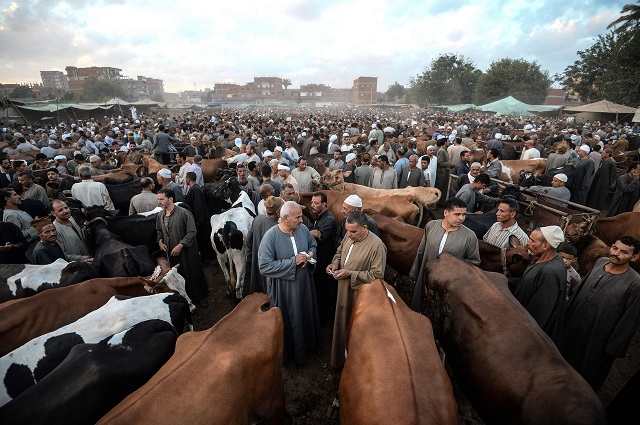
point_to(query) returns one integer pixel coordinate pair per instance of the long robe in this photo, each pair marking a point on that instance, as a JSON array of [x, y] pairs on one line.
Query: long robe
[[72, 239], [195, 200], [542, 290], [259, 227], [182, 229], [584, 173], [604, 178], [625, 196], [442, 180], [326, 286], [600, 321], [462, 243], [368, 259], [291, 288]]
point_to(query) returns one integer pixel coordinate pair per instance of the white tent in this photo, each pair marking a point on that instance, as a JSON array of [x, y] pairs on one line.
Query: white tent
[[636, 117], [117, 101]]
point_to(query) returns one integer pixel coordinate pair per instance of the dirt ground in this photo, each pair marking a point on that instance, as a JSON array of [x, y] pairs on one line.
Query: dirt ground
[[311, 389]]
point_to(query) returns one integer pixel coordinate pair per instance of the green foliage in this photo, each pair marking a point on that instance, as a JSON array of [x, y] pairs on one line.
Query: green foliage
[[607, 70], [629, 21], [395, 92], [286, 83], [100, 90], [22, 92], [450, 79], [513, 77], [68, 97]]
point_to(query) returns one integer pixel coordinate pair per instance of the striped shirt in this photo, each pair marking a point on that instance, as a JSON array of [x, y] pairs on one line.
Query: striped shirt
[[499, 237]]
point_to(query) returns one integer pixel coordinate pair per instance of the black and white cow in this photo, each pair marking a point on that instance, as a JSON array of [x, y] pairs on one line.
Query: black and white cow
[[228, 237], [25, 366], [25, 280], [94, 378]]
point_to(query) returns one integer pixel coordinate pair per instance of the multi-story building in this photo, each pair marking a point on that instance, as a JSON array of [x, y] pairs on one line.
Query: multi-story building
[[141, 87], [76, 76], [54, 83], [364, 90]]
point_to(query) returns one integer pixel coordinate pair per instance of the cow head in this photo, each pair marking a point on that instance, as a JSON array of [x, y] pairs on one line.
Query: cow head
[[218, 195], [334, 179], [574, 231], [77, 271]]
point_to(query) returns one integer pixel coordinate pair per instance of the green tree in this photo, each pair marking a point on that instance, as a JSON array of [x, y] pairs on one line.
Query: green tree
[[607, 70], [519, 78], [286, 83], [22, 92], [68, 97], [450, 79], [629, 21], [396, 92], [100, 90]]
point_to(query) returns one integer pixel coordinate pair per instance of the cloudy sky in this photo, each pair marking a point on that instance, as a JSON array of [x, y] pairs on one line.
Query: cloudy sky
[[199, 43]]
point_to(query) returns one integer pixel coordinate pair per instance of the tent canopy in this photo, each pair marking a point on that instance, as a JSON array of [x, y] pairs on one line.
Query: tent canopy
[[636, 117], [511, 105], [116, 101], [604, 107]]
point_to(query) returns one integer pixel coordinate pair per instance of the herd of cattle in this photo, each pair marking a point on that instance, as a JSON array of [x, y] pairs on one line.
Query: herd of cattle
[[105, 343]]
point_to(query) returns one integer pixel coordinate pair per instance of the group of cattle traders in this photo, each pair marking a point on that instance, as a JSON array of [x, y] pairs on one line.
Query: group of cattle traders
[[312, 268]]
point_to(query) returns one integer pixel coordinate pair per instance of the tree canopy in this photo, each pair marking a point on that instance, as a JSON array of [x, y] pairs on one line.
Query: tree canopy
[[395, 93], [519, 78], [22, 92], [450, 79], [99, 90]]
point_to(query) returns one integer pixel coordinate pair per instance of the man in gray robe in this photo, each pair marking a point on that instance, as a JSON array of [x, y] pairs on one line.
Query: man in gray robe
[[259, 227], [585, 168], [71, 238], [446, 235], [627, 191], [286, 257], [557, 190], [603, 316]]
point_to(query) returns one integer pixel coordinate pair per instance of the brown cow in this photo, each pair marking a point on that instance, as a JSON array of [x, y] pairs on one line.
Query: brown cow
[[115, 177], [535, 166], [509, 368], [513, 260], [23, 319], [610, 229], [405, 207], [228, 374], [152, 165], [210, 168], [393, 373]]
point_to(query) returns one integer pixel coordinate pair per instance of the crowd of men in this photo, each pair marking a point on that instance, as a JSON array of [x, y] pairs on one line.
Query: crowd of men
[[312, 268]]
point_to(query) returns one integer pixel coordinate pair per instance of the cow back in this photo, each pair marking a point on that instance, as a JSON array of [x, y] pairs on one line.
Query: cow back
[[235, 369], [392, 374], [510, 370]]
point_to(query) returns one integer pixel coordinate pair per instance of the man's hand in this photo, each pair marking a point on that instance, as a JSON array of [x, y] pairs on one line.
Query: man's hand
[[176, 250], [315, 233], [342, 274], [301, 259], [331, 268], [89, 260], [162, 246]]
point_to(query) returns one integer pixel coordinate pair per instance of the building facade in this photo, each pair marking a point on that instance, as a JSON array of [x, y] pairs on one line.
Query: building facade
[[76, 76], [364, 90], [54, 83]]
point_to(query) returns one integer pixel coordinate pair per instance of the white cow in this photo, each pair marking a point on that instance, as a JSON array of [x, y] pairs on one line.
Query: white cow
[[228, 237]]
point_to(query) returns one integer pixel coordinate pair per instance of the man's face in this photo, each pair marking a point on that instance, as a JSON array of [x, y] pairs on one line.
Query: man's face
[[48, 234], [381, 164], [294, 220], [504, 213], [413, 161], [567, 259], [455, 217], [430, 152], [605, 155], [347, 209], [556, 183], [287, 194], [536, 243], [474, 171], [61, 211], [466, 157], [22, 167], [620, 254], [317, 206], [302, 164], [25, 181], [13, 197], [52, 176], [163, 201], [336, 155], [424, 164], [6, 164], [242, 173], [355, 232]]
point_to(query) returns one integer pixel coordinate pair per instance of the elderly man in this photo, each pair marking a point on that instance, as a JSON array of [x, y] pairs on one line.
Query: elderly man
[[287, 192], [323, 229], [181, 160], [529, 151], [445, 235], [474, 171], [353, 203], [542, 289], [383, 177], [557, 159], [71, 237], [506, 226], [165, 181], [259, 227], [285, 175], [349, 168], [557, 190], [602, 318], [91, 193], [305, 175], [193, 149], [146, 200], [286, 258], [96, 163], [32, 190], [360, 259], [411, 175], [585, 168], [471, 193]]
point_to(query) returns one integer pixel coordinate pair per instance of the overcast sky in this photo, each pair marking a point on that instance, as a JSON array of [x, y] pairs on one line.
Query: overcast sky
[[199, 43]]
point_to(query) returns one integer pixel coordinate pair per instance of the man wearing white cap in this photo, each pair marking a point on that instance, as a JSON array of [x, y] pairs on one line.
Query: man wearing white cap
[[277, 154], [164, 179], [351, 204], [61, 164], [542, 289], [267, 156], [96, 163], [585, 168], [495, 142], [332, 145], [557, 189], [349, 168], [433, 164], [285, 174]]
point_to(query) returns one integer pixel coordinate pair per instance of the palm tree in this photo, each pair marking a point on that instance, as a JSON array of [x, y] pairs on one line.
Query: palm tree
[[630, 19]]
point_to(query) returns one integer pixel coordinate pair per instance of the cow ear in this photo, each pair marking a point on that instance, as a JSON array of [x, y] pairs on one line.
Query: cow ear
[[514, 241], [517, 258]]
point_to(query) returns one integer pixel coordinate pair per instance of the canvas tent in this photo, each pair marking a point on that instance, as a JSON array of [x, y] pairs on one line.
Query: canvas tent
[[117, 101], [511, 105], [603, 108], [636, 117]]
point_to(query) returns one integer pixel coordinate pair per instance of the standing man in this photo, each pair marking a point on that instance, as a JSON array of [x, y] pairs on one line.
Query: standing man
[[6, 173], [462, 167], [424, 167], [349, 168], [164, 180], [305, 176], [176, 236], [70, 236], [283, 258], [146, 200], [336, 163], [47, 250], [500, 232], [542, 290], [627, 191], [471, 193], [603, 316], [446, 235], [32, 190], [353, 203], [603, 180], [585, 168], [91, 193], [259, 227], [411, 175], [383, 177], [444, 166], [197, 203], [363, 172], [433, 165], [494, 166], [324, 229], [361, 258], [287, 178]]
